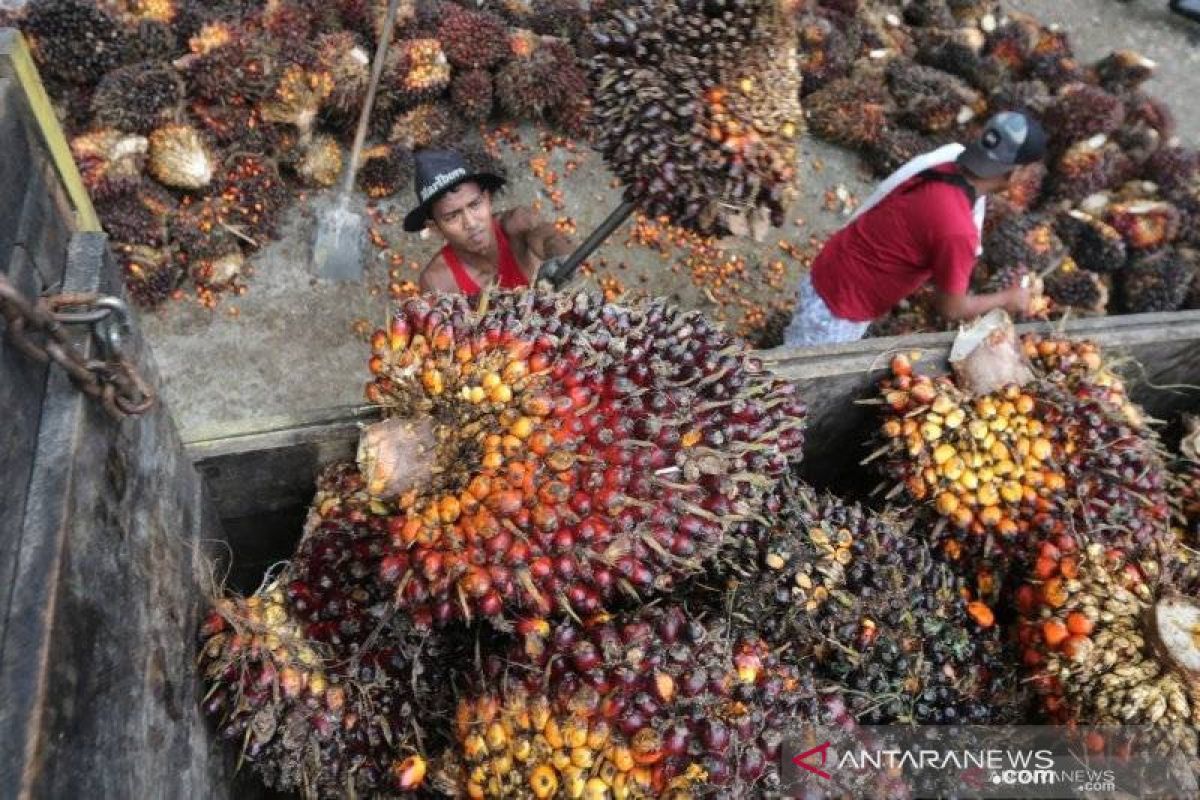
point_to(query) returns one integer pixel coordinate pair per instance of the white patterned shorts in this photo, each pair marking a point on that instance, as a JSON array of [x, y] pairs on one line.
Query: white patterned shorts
[[814, 324]]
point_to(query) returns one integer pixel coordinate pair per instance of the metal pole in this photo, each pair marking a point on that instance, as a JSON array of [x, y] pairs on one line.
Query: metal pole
[[614, 221]]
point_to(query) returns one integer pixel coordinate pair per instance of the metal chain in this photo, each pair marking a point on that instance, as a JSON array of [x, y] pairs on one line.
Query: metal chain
[[114, 380]]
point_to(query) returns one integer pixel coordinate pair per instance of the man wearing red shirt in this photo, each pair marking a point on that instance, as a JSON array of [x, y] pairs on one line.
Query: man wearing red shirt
[[922, 225]]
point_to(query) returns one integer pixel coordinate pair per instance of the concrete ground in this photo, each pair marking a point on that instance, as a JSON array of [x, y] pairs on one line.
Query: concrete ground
[[294, 345]]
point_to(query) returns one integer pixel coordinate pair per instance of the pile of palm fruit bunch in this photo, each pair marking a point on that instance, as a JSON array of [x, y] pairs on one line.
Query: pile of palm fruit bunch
[[1108, 222], [697, 106], [194, 123], [1056, 504]]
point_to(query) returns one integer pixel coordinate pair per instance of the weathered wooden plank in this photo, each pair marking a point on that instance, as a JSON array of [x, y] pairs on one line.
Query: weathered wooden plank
[[22, 386], [16, 62], [15, 165], [97, 677]]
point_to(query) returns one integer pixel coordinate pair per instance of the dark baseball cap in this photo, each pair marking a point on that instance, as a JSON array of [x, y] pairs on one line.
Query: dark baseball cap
[[1009, 140], [437, 172]]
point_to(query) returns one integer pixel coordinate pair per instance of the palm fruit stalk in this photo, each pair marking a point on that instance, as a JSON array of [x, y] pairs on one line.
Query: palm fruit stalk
[[891, 629], [297, 98], [306, 718], [179, 157], [581, 452], [660, 703], [110, 162], [697, 110], [1109, 641]]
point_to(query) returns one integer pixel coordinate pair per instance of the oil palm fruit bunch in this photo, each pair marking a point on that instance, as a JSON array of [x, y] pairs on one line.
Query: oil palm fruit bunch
[[826, 50], [426, 125], [472, 39], [850, 112], [896, 146], [697, 109], [1081, 111], [1144, 224], [1110, 642], [1174, 169], [564, 19], [1089, 166], [580, 451], [251, 195], [1079, 366], [202, 243], [472, 95], [1186, 473], [73, 40], [1077, 289], [660, 703], [242, 70], [344, 57], [297, 97], [1123, 70], [417, 70], [151, 273], [1093, 243], [180, 157], [959, 51], [1024, 241], [1156, 282], [1028, 97], [385, 170], [138, 216], [136, 98], [307, 720], [1149, 126], [110, 162], [321, 162], [930, 100]]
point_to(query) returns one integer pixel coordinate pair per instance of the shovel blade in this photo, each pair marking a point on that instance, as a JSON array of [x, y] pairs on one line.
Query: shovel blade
[[340, 244]]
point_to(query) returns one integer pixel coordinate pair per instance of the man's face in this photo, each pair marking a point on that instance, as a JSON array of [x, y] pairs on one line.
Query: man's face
[[464, 216]]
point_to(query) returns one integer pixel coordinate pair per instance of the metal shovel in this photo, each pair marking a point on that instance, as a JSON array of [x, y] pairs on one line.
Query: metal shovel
[[341, 236]]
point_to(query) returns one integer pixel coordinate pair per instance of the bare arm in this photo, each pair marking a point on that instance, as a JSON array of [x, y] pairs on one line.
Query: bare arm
[[966, 306], [543, 239]]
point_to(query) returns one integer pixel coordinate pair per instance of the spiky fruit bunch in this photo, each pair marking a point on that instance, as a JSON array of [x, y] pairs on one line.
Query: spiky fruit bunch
[[151, 274], [564, 19], [524, 88], [1012, 43], [472, 39], [110, 162], [385, 170], [138, 216], [1156, 282], [850, 112], [1094, 244], [151, 40], [135, 98], [426, 125], [203, 243], [349, 64], [657, 704], [1000, 278], [1175, 169], [1144, 224], [1149, 126], [1024, 241], [1081, 111], [241, 71], [471, 94], [1097, 634], [895, 147], [304, 716], [1079, 289], [931, 100], [230, 124], [418, 70], [321, 164], [1025, 186], [180, 157], [697, 110], [73, 40], [1123, 70], [583, 451], [1089, 167], [1027, 97], [826, 51], [297, 97], [251, 195]]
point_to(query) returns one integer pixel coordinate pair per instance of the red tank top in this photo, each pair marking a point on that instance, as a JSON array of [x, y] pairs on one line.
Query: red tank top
[[508, 271]]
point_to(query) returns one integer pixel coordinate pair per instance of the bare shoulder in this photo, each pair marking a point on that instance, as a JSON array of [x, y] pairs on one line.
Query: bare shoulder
[[436, 276]]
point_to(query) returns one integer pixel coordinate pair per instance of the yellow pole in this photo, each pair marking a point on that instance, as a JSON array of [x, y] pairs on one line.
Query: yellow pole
[[16, 50]]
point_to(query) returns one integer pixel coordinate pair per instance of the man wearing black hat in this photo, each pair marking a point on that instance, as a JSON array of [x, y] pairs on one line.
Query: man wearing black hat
[[481, 249], [924, 223]]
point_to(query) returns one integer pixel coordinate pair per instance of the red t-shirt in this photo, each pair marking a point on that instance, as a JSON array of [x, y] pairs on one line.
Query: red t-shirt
[[919, 232]]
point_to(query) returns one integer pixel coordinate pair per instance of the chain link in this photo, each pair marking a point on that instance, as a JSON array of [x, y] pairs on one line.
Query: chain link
[[114, 381]]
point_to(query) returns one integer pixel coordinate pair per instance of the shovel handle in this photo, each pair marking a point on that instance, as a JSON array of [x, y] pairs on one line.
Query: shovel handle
[[364, 116], [597, 237]]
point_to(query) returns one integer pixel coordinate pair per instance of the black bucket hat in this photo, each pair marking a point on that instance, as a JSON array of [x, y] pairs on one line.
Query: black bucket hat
[[437, 172], [1009, 140]]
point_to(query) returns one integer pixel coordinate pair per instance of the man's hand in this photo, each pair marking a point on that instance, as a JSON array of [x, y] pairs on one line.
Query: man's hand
[[553, 273], [1017, 300]]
